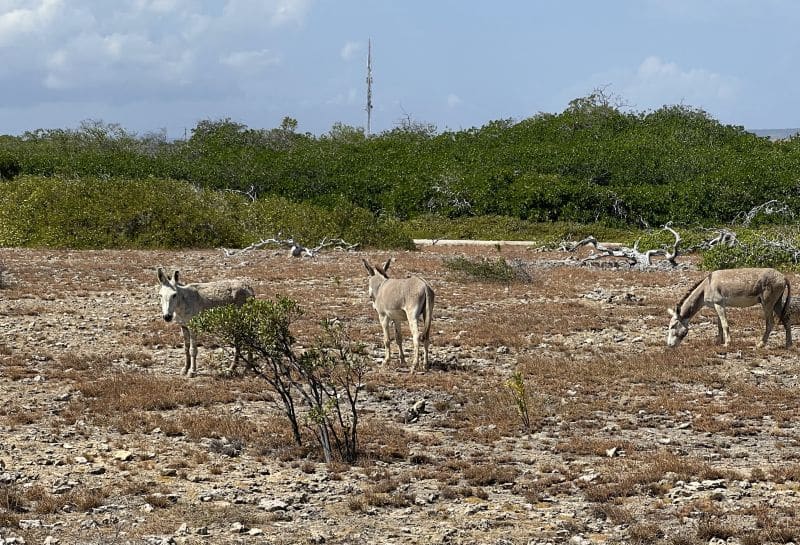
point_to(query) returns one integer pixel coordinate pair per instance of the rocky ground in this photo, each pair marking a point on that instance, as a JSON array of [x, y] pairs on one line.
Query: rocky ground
[[102, 440]]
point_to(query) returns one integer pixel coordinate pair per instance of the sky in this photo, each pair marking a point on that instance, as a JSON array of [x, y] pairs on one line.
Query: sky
[[164, 65]]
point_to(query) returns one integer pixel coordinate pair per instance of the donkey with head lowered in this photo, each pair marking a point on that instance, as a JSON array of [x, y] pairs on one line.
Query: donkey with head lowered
[[181, 302], [398, 299], [734, 288]]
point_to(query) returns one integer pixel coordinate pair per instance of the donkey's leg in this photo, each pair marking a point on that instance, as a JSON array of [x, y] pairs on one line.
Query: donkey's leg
[[193, 369], [187, 345], [398, 337], [769, 317], [387, 349], [426, 343], [785, 320], [413, 324], [723, 324]]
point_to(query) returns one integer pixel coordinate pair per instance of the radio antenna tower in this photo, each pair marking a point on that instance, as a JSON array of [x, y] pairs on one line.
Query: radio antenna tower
[[369, 85]]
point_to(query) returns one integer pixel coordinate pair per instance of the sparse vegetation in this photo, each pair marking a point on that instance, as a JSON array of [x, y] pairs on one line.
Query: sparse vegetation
[[629, 442], [326, 379], [488, 270]]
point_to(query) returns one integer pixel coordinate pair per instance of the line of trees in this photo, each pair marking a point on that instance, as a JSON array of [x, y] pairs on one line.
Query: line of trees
[[592, 162]]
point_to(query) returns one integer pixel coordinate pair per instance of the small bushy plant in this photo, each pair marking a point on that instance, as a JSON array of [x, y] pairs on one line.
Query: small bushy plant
[[325, 379], [10, 166], [756, 248], [487, 270]]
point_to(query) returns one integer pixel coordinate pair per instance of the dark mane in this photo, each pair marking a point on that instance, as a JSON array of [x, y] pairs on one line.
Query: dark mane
[[688, 293]]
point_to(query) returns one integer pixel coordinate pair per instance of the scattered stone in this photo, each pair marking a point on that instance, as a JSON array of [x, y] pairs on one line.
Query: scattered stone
[[122, 455], [238, 528], [272, 505]]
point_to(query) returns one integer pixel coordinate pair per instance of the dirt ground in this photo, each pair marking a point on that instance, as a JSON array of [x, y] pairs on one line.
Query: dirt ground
[[103, 441]]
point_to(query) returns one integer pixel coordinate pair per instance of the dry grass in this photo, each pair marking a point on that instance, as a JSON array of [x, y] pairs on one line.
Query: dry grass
[[598, 377]]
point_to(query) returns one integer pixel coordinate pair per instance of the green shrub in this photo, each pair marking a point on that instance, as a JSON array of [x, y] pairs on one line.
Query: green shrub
[[325, 379], [10, 166], [487, 270], [117, 213], [768, 247], [160, 213], [309, 224]]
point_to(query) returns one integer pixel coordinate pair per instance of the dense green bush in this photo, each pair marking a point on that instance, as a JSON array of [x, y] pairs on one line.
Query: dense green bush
[[158, 213], [778, 248], [96, 213], [590, 163], [9, 166], [309, 224]]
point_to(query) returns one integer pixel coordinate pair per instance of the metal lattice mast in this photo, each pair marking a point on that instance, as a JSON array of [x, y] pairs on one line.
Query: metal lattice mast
[[369, 85]]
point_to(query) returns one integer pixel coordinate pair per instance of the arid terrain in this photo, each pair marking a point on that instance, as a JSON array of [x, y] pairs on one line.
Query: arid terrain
[[103, 441]]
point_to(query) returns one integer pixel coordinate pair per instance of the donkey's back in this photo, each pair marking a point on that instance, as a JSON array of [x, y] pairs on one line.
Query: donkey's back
[[181, 302], [201, 296], [402, 299], [402, 294]]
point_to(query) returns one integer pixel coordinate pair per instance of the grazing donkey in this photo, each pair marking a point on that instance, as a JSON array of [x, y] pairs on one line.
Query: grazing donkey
[[734, 288], [397, 299], [181, 302]]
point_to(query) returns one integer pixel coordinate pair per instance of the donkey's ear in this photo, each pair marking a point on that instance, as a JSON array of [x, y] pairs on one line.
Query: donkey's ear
[[386, 265], [175, 277], [162, 277], [370, 270]]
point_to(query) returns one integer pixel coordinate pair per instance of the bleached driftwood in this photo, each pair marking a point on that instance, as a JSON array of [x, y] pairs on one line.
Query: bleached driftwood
[[295, 249], [770, 208], [633, 256], [725, 237]]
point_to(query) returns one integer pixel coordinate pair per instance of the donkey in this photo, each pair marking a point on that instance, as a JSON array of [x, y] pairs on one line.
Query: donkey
[[181, 302], [397, 299], [734, 288]]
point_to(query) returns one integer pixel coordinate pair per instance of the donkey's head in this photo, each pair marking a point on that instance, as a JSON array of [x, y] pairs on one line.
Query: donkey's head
[[377, 276], [678, 327], [168, 291]]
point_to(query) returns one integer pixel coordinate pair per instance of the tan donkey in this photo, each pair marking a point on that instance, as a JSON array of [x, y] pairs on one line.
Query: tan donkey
[[398, 299], [182, 302], [734, 288]]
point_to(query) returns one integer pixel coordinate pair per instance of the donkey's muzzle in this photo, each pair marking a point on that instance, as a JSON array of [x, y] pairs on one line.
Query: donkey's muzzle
[[167, 317]]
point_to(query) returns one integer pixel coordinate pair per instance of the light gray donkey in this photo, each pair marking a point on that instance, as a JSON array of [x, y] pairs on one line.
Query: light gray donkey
[[734, 288], [397, 299], [181, 302]]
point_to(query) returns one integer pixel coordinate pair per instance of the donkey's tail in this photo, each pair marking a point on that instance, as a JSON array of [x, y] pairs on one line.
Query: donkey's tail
[[428, 312]]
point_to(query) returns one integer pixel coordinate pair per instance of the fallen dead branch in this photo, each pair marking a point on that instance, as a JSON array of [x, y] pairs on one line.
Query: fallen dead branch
[[633, 256], [295, 249], [772, 207]]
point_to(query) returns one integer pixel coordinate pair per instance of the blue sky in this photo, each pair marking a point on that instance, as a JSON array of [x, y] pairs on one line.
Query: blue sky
[[153, 65]]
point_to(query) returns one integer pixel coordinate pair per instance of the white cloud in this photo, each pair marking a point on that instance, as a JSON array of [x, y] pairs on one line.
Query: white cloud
[[251, 61], [454, 101], [351, 49], [122, 51], [274, 12], [657, 82], [33, 18]]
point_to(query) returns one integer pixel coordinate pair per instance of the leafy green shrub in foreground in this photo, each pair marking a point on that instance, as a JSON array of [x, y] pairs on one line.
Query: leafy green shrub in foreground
[[325, 380]]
